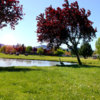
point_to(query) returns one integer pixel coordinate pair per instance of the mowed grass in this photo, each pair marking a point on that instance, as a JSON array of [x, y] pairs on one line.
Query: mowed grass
[[89, 61], [50, 83]]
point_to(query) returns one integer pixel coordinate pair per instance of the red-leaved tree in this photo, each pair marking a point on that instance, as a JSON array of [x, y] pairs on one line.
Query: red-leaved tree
[[10, 13], [67, 25]]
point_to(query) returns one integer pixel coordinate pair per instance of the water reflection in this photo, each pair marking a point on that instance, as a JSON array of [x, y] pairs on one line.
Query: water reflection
[[21, 62]]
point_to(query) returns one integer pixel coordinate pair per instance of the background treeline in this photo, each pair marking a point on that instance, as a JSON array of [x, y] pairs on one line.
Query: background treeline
[[85, 50], [29, 50]]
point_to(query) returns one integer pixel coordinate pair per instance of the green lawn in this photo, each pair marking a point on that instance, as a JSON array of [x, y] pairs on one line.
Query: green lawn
[[50, 83]]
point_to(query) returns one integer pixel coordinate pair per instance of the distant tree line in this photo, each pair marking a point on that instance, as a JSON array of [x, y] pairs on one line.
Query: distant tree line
[[85, 50], [29, 50]]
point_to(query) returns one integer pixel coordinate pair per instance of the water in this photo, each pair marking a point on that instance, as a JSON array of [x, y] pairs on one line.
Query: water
[[21, 62]]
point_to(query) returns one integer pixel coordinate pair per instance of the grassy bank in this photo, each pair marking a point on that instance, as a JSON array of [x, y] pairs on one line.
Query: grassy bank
[[89, 61], [50, 83]]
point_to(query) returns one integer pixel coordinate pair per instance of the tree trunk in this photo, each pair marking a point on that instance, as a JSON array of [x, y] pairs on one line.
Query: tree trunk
[[77, 55], [78, 58], [75, 50]]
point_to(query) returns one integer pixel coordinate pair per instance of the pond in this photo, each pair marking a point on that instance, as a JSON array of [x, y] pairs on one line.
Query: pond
[[21, 62]]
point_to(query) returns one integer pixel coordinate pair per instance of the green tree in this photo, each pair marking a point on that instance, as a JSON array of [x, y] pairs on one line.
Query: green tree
[[98, 47], [2, 49], [85, 50], [59, 52], [28, 49], [40, 51]]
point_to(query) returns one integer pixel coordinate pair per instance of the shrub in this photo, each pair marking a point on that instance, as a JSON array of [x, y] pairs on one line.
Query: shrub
[[28, 49], [98, 47], [40, 51], [59, 52], [85, 50], [2, 49]]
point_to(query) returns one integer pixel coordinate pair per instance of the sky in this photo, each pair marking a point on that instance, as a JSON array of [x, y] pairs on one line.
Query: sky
[[25, 31]]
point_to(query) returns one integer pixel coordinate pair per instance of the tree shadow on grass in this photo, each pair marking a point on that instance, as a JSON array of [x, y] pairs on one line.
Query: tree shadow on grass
[[17, 69], [78, 66]]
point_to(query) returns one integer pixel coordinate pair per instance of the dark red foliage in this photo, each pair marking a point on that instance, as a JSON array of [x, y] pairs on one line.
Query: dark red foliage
[[63, 24], [20, 48], [66, 25], [10, 13]]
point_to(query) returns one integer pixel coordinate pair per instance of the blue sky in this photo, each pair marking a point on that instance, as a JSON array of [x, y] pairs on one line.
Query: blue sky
[[25, 31]]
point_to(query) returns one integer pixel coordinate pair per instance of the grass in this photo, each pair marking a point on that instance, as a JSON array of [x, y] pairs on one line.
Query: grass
[[50, 83], [72, 82], [89, 61]]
